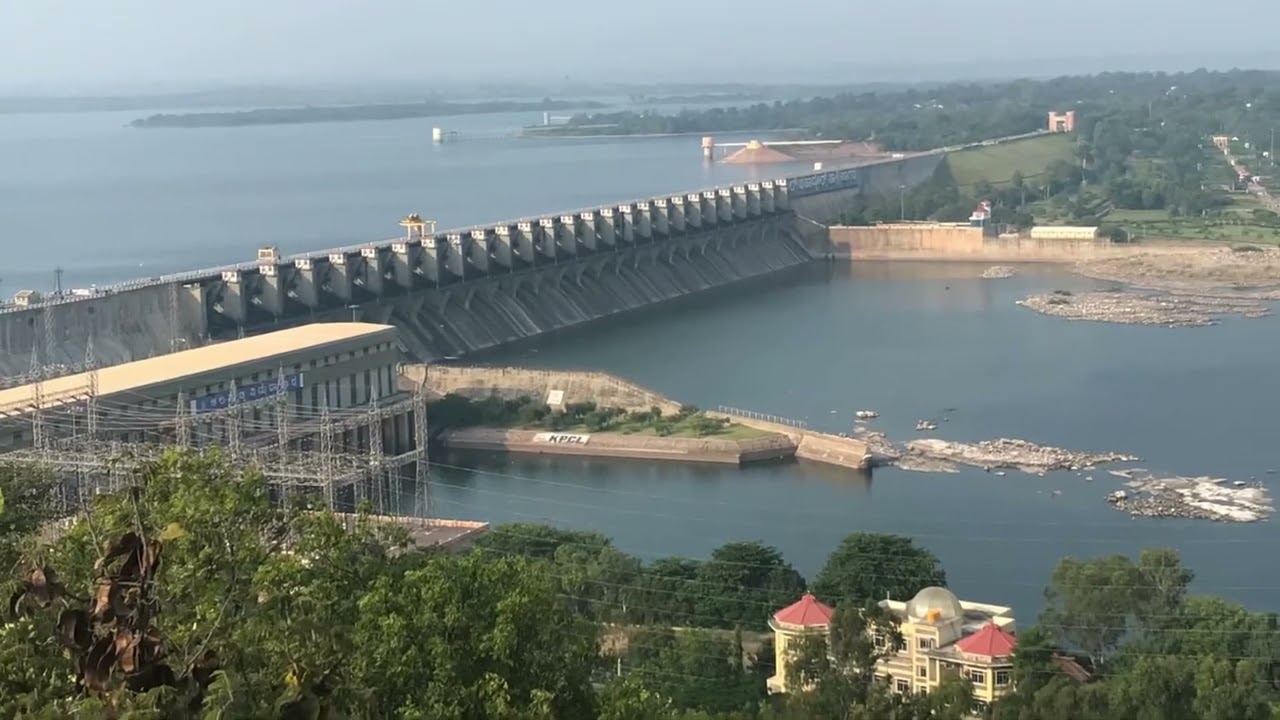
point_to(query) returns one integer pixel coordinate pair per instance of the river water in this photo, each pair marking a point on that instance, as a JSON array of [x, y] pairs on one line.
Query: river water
[[912, 340], [909, 340]]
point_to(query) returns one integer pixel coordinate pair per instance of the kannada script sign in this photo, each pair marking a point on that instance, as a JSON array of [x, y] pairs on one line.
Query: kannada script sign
[[823, 182], [248, 393], [561, 438]]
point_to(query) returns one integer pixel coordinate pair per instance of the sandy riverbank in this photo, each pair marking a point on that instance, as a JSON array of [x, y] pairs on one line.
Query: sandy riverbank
[[1176, 287]]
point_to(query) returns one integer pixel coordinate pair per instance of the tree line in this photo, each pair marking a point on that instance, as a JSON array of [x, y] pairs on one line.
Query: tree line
[[458, 411], [1141, 139], [190, 595]]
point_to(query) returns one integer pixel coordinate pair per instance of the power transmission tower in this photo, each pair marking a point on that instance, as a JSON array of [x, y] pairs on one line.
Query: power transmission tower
[[46, 316], [282, 430], [282, 412], [91, 404], [233, 420], [182, 426], [421, 486], [326, 450], [173, 317], [37, 402], [375, 453]]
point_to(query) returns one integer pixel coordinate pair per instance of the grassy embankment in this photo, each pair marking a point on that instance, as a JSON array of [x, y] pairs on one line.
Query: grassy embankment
[[456, 411], [997, 164]]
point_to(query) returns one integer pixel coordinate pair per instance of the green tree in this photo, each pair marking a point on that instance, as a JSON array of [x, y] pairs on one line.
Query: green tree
[[295, 614], [535, 540], [871, 566], [695, 669], [473, 637], [1092, 604], [30, 504], [629, 699], [743, 583]]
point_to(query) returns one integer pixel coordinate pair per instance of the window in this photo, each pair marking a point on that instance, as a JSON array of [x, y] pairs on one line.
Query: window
[[880, 640], [903, 686], [925, 643], [1004, 677], [977, 677], [923, 672]]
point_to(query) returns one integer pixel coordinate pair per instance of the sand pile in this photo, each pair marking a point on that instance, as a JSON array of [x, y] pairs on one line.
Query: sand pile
[[758, 154]]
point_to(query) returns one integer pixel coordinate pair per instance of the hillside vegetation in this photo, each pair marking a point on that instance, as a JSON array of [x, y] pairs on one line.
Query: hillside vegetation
[[1000, 164]]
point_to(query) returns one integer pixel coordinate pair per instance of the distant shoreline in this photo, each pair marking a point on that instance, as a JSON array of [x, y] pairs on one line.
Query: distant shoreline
[[350, 113], [525, 133]]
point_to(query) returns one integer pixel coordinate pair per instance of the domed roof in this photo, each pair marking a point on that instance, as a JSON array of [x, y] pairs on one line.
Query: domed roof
[[933, 600]]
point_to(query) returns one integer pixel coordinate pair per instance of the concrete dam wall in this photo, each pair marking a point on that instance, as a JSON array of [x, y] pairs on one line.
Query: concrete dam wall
[[956, 241], [459, 291], [449, 322]]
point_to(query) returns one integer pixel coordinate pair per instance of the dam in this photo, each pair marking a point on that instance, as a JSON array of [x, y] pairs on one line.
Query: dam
[[460, 291]]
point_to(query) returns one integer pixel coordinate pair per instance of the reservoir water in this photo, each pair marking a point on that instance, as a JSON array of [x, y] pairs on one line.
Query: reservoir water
[[909, 340], [109, 202]]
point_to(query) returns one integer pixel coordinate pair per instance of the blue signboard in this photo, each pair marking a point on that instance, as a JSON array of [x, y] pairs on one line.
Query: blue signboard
[[248, 393], [823, 182]]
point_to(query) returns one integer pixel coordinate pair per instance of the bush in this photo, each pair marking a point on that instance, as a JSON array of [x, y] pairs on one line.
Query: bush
[[598, 420]]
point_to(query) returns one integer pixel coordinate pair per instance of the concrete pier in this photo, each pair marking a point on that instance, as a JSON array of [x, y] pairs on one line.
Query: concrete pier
[[458, 291]]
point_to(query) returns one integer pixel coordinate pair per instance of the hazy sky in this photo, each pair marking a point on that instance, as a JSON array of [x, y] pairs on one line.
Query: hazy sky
[[55, 45]]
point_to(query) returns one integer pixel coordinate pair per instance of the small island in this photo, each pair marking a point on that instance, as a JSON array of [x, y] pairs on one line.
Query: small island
[[353, 113], [526, 425]]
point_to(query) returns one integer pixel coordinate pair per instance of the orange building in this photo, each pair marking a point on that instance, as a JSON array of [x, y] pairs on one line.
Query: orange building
[[1062, 122]]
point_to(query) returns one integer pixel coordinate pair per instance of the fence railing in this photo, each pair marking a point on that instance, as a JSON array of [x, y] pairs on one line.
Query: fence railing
[[765, 417]]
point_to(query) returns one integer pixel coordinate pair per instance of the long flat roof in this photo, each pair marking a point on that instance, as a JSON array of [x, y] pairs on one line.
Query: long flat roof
[[190, 363]]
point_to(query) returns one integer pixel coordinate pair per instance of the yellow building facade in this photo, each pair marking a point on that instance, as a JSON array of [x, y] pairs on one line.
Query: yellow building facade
[[941, 636], [790, 626]]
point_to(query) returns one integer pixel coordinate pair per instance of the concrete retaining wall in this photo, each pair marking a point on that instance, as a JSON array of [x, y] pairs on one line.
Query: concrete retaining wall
[[845, 452], [924, 241], [612, 391], [634, 447], [604, 389]]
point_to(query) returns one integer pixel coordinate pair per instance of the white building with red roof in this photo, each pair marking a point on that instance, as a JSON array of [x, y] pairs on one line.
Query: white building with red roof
[[807, 616], [943, 635]]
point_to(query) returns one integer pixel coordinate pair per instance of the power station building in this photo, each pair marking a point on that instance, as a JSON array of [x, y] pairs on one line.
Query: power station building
[[245, 386], [320, 406]]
